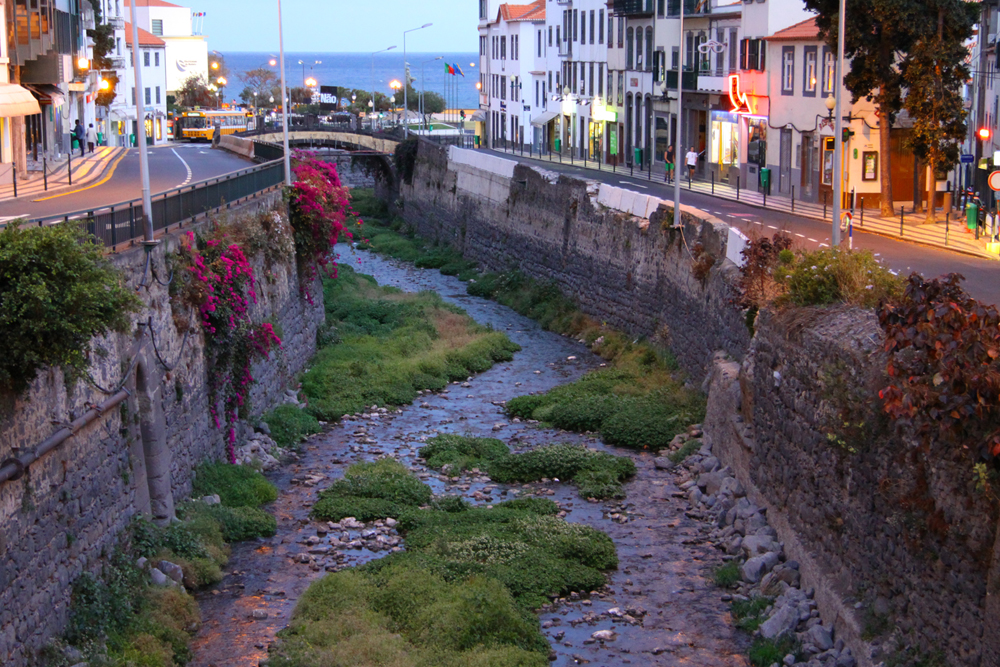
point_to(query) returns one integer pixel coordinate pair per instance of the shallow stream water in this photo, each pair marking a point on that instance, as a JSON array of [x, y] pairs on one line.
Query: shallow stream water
[[664, 577]]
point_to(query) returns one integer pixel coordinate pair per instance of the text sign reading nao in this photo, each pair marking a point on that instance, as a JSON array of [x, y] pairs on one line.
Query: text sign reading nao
[[328, 98]]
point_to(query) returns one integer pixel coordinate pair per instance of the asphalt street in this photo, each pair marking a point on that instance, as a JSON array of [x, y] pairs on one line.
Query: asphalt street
[[170, 166], [982, 276]]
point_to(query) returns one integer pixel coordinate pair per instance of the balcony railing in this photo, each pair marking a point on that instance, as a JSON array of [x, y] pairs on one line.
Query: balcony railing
[[689, 80], [117, 62], [633, 7], [116, 23], [30, 29], [691, 7]]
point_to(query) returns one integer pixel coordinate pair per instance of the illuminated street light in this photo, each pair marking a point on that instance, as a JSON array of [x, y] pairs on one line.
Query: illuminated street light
[[311, 82], [215, 65], [105, 84], [83, 63], [222, 81]]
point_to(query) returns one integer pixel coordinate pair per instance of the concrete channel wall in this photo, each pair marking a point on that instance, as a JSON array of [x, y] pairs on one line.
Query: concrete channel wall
[[63, 517], [892, 534]]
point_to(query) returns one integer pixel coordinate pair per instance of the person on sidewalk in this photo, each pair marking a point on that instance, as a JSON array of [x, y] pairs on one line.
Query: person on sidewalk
[[79, 135], [668, 158], [91, 138], [692, 161]]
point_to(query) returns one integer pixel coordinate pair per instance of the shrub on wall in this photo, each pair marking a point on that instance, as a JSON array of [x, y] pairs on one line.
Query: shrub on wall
[[57, 291], [405, 159]]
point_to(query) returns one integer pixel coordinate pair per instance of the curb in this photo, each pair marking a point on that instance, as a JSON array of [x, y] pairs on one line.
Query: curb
[[64, 188]]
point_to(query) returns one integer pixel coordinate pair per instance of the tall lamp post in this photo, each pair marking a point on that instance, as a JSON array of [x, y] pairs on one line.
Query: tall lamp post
[[373, 83], [678, 142], [838, 146], [303, 63], [140, 117], [406, 83], [423, 89], [284, 100], [395, 85]]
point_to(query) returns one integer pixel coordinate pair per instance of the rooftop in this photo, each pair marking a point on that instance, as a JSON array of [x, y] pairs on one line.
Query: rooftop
[[533, 12], [806, 30], [145, 38]]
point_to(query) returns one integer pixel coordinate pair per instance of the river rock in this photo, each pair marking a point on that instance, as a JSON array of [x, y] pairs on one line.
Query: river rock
[[212, 499], [173, 571], [820, 637], [662, 463], [758, 566], [605, 635], [755, 545], [258, 614], [710, 482], [781, 623], [160, 579]]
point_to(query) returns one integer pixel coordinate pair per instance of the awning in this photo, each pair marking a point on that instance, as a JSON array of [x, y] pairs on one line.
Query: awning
[[544, 118], [46, 93], [17, 101]]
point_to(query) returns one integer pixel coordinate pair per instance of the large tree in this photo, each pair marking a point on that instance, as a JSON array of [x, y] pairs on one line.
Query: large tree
[[934, 72], [262, 81], [195, 93], [878, 34]]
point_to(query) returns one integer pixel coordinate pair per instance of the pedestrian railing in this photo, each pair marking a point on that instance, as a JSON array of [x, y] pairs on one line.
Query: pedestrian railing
[[121, 223]]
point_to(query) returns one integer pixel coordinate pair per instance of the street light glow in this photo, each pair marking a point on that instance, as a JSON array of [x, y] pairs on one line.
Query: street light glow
[[222, 81], [215, 65], [311, 82], [395, 84], [272, 62], [105, 84]]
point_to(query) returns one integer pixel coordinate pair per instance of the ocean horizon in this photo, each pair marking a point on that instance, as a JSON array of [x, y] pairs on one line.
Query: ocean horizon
[[354, 70]]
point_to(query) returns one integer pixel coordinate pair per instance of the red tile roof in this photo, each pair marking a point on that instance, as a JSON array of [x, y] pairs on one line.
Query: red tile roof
[[806, 30], [145, 38], [533, 12], [154, 3]]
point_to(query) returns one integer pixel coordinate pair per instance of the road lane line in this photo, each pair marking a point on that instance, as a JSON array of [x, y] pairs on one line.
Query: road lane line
[[186, 166], [89, 187], [801, 236], [813, 240], [771, 227]]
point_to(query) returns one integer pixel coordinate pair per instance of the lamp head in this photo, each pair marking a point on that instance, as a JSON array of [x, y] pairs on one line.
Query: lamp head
[[426, 25], [830, 103], [83, 63]]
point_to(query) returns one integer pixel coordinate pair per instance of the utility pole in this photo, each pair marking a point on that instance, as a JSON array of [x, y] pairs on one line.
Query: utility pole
[[678, 136], [838, 146], [140, 122], [284, 100]]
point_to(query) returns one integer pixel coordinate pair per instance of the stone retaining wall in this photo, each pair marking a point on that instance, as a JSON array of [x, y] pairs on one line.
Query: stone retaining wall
[[64, 516]]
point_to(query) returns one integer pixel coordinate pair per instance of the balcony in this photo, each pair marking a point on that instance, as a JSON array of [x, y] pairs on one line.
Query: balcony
[[691, 7], [689, 80], [636, 8], [713, 84], [116, 62], [116, 23], [30, 29]]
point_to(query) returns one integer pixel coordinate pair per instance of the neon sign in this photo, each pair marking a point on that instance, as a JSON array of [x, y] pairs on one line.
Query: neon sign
[[739, 99]]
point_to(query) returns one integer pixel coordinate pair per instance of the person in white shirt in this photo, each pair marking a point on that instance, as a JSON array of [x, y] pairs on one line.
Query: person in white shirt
[[692, 160], [91, 137]]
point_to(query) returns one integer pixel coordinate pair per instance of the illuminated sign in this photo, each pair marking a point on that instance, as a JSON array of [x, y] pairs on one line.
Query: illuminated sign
[[600, 113], [739, 100]]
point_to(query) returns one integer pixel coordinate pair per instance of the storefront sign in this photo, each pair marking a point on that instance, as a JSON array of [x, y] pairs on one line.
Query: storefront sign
[[602, 114], [613, 142], [328, 98], [739, 100]]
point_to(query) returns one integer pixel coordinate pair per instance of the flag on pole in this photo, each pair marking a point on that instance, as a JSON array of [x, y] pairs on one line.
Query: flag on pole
[[448, 69], [459, 70]]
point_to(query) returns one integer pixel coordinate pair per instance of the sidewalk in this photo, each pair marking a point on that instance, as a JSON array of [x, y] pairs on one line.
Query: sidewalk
[[945, 234], [86, 170]]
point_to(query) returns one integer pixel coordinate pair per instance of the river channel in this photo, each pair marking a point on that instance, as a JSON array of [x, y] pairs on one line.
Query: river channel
[[661, 602]]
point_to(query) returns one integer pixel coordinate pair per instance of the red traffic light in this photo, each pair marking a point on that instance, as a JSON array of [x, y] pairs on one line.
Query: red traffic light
[[984, 133]]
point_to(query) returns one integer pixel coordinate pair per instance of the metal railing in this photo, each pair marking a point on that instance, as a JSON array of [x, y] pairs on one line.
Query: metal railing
[[122, 222]]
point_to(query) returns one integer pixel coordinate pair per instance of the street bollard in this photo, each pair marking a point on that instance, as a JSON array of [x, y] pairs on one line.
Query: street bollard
[[70, 169], [765, 197], [901, 222], [45, 173], [737, 188], [14, 168], [947, 220], [824, 205], [713, 181], [793, 199]]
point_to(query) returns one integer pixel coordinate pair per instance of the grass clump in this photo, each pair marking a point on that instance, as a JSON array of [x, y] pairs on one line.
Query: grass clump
[[289, 424], [686, 450], [749, 614], [390, 345], [727, 575], [596, 474], [370, 491], [236, 485], [766, 652]]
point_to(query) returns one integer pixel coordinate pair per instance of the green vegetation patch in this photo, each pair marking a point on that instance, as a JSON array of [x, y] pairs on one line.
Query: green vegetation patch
[[766, 652], [237, 485], [596, 474], [383, 346], [727, 576], [370, 491], [289, 424], [834, 275], [749, 614]]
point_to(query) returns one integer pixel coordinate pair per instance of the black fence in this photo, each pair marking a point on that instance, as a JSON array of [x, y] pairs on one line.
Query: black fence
[[122, 222]]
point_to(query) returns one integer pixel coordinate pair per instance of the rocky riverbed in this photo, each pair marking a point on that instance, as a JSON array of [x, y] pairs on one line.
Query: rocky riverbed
[[659, 608]]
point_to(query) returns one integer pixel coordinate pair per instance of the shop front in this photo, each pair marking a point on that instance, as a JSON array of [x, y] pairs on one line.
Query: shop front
[[603, 123], [756, 150], [724, 145]]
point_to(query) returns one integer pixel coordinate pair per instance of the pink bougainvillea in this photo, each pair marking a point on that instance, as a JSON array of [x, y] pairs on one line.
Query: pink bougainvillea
[[221, 287], [320, 205]]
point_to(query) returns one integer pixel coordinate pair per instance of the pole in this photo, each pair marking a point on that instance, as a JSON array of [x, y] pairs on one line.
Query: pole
[[140, 117], [284, 98], [838, 150], [678, 143]]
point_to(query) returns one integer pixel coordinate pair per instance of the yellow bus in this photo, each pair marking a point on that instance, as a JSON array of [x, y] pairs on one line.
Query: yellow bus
[[200, 125]]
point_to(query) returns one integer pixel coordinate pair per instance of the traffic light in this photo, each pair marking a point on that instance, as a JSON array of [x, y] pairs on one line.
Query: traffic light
[[984, 133], [846, 134], [462, 112]]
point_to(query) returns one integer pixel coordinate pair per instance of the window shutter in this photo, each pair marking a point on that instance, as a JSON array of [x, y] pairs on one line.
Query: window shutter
[[761, 55], [744, 54]]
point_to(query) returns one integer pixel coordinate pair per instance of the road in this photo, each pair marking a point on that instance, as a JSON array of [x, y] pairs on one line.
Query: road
[[982, 276], [170, 166]]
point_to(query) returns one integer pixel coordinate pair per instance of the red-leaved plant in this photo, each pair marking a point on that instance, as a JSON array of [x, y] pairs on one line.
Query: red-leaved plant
[[220, 285], [319, 206], [944, 364]]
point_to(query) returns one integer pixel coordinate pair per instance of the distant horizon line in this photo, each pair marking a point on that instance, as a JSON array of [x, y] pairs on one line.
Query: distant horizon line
[[363, 53]]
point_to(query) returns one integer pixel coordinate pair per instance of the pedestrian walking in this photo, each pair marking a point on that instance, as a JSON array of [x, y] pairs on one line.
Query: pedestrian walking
[[692, 161], [91, 138], [668, 158], [79, 134]]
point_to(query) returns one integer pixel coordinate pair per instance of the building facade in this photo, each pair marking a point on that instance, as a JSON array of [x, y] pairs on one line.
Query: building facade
[[186, 51]]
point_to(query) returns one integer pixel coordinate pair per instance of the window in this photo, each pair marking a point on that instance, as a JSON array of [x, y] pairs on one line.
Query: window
[[809, 73], [550, 80], [515, 47], [649, 48], [156, 58], [829, 70], [591, 26], [621, 32], [539, 54], [628, 50], [583, 28], [157, 94], [133, 95], [621, 88], [148, 97], [590, 83], [557, 34], [600, 27], [482, 8], [611, 82], [675, 57], [753, 54], [638, 48], [156, 27], [733, 46], [787, 70], [689, 52], [550, 35], [659, 8], [536, 93], [503, 48], [720, 57], [145, 58], [576, 24]]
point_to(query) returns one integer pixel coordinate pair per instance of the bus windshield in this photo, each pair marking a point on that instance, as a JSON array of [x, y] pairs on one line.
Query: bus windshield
[[195, 122]]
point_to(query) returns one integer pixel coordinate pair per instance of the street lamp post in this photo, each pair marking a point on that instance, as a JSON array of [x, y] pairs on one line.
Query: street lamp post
[[838, 146], [423, 89], [678, 138], [140, 117], [284, 100], [406, 83], [373, 83]]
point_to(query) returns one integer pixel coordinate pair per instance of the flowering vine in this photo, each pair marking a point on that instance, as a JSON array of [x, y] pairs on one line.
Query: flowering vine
[[319, 206], [220, 285]]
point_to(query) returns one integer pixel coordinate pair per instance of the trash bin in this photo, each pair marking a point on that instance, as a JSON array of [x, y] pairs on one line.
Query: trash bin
[[972, 216], [476, 141], [558, 145], [637, 159], [765, 180]]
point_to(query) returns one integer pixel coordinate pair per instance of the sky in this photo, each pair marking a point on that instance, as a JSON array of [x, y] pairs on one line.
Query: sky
[[338, 26]]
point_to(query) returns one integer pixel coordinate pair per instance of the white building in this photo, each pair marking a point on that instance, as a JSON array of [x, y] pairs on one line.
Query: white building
[[122, 128], [186, 52]]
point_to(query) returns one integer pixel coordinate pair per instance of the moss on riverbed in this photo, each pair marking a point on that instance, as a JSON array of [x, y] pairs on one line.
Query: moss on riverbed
[[462, 592], [596, 474]]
